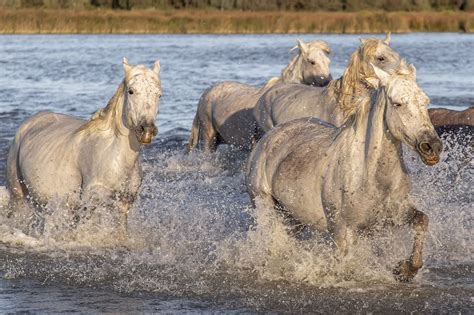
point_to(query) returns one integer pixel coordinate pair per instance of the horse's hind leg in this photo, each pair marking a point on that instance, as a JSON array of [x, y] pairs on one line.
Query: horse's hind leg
[[16, 188], [294, 227], [209, 137], [407, 269]]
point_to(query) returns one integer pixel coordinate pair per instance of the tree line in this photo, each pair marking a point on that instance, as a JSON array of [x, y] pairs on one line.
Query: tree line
[[247, 5]]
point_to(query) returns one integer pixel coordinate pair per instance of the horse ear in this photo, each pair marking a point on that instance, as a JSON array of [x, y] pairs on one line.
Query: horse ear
[[387, 38], [126, 66], [413, 71], [326, 48], [296, 47], [363, 40], [407, 69], [302, 46], [157, 67], [381, 75]]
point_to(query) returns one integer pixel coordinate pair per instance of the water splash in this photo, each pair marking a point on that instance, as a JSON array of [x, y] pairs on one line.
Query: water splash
[[193, 232]]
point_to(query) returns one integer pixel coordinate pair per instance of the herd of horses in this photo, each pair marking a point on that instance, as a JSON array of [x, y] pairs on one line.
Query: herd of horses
[[325, 153]]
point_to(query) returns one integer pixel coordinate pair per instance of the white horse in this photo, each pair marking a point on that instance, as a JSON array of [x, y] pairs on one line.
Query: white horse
[[60, 156], [225, 111], [351, 179], [334, 102]]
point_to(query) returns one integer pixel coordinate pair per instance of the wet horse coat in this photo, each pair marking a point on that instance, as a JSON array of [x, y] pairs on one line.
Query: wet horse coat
[[225, 111], [59, 156], [351, 179], [333, 103]]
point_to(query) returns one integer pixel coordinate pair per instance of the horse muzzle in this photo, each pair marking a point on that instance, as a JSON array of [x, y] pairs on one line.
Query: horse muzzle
[[430, 149], [321, 80], [146, 133]]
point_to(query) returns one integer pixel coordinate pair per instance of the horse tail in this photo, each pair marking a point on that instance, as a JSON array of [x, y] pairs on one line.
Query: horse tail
[[194, 137]]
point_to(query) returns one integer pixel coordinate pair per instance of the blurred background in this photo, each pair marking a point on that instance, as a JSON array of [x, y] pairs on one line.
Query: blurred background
[[234, 16], [326, 5]]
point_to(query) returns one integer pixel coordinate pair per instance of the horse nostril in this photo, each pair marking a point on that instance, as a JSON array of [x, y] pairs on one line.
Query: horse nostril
[[426, 147]]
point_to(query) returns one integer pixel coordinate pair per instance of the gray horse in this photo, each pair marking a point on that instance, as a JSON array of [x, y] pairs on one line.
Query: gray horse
[[55, 155], [334, 102], [352, 179], [225, 111]]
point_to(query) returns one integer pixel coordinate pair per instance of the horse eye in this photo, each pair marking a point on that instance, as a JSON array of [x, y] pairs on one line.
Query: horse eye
[[380, 59], [397, 104], [130, 92], [312, 62]]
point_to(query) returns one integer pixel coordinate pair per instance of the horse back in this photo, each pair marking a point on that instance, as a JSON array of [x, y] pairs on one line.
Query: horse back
[[284, 165], [289, 146], [288, 101], [443, 116], [43, 154]]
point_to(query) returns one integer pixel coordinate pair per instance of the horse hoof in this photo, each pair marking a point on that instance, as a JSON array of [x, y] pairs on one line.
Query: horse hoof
[[405, 271]]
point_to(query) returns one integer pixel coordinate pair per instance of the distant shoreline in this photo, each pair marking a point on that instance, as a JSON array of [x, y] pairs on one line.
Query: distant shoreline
[[50, 21]]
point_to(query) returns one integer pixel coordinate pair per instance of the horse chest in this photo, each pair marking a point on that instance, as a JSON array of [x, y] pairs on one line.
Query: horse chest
[[114, 173], [361, 201]]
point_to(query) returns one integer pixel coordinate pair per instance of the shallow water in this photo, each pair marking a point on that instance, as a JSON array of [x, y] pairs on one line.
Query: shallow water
[[196, 243]]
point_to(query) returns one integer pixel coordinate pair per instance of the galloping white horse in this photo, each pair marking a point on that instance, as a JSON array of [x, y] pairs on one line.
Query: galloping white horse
[[60, 156], [351, 179], [333, 103], [225, 111]]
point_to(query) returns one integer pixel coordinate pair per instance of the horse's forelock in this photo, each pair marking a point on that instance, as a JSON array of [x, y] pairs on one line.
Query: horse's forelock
[[141, 70], [319, 44]]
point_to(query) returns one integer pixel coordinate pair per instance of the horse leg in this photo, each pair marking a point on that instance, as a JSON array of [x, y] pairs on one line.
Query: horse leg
[[17, 190], [294, 227], [209, 136], [126, 201], [344, 237], [407, 269], [98, 194]]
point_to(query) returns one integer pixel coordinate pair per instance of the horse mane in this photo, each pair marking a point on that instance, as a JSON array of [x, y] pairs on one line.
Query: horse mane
[[363, 103], [108, 117], [289, 73], [271, 82], [353, 81]]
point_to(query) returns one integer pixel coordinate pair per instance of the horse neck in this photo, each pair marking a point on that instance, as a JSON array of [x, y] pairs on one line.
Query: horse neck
[[351, 85], [377, 151], [108, 124], [292, 72], [114, 111]]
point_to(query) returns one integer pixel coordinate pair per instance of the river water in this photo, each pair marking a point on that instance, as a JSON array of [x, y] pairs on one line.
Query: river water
[[196, 244]]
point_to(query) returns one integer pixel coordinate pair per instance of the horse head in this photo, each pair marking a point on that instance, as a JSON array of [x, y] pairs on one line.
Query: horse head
[[406, 113], [313, 61], [376, 52], [142, 95]]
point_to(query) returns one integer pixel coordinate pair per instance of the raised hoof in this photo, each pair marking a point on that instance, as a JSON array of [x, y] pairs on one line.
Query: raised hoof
[[405, 271]]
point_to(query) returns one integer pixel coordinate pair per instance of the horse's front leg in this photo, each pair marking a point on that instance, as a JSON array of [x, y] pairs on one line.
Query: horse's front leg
[[100, 195], [344, 237], [407, 269], [125, 203]]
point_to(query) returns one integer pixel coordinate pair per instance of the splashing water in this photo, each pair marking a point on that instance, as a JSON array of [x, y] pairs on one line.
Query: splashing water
[[193, 232], [194, 237]]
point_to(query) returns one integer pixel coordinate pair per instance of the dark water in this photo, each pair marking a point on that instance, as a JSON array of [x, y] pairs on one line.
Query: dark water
[[198, 246]]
